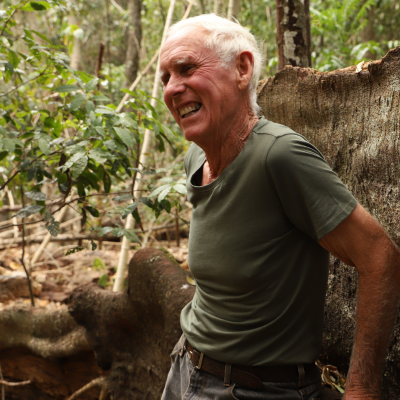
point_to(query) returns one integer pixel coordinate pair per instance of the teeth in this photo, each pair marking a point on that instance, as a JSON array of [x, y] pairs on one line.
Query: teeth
[[189, 109]]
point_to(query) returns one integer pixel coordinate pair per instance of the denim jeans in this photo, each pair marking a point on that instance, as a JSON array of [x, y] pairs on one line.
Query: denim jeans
[[185, 382]]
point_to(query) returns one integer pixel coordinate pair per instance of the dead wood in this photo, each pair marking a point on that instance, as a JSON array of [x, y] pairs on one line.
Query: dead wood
[[132, 333], [354, 120], [48, 348]]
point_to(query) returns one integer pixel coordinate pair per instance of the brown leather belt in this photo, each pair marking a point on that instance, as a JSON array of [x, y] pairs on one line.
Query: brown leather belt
[[251, 377]]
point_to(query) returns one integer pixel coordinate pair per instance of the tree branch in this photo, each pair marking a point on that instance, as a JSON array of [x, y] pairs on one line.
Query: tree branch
[[90, 385]]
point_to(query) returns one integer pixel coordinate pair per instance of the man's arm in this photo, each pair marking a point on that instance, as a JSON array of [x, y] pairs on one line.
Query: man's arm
[[361, 242]]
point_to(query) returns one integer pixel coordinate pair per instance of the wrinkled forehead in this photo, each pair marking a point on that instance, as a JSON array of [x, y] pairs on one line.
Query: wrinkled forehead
[[191, 33]]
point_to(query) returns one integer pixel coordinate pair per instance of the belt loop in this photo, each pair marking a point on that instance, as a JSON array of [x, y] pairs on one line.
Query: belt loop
[[183, 347], [302, 374], [198, 366], [227, 375]]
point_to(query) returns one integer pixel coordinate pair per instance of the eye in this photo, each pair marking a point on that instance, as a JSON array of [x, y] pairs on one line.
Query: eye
[[165, 79], [188, 68]]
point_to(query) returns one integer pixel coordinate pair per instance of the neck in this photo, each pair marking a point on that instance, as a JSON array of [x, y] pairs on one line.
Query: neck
[[228, 145]]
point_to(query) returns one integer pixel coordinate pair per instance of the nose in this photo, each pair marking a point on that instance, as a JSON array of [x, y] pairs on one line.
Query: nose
[[174, 86]]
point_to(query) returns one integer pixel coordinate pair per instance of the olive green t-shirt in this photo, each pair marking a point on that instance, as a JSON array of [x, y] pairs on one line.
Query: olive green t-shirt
[[261, 275]]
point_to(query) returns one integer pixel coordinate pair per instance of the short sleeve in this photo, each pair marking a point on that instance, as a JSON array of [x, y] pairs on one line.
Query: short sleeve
[[313, 197]]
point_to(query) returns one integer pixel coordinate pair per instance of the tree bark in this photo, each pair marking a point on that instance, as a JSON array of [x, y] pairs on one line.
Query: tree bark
[[354, 120], [293, 33], [134, 40]]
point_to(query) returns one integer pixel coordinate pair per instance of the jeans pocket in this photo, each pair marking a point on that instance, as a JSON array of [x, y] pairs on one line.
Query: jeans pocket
[[311, 392], [178, 348]]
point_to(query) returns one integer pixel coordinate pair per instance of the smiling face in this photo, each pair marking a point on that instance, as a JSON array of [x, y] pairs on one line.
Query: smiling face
[[201, 93]]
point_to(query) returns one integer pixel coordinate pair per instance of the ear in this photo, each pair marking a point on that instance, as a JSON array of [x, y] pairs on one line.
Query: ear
[[244, 68]]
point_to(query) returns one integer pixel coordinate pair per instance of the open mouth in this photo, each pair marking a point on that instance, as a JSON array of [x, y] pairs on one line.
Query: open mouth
[[190, 110]]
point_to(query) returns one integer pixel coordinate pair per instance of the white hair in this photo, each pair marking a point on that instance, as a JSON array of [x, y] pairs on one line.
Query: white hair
[[227, 39]]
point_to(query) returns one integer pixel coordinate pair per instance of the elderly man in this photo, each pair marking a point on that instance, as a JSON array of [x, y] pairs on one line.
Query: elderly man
[[267, 210]]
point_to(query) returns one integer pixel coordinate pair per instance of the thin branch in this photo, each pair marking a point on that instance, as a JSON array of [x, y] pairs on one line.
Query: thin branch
[[90, 385], [24, 83], [23, 255], [5, 383], [12, 14], [118, 7], [10, 179]]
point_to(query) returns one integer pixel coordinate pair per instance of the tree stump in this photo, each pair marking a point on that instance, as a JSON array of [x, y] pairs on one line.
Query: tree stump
[[353, 118]]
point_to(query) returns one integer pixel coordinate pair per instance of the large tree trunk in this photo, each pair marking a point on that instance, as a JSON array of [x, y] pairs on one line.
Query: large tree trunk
[[134, 40], [293, 33], [354, 120]]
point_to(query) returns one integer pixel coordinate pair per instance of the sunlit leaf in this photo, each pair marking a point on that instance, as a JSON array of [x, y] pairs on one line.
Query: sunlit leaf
[[27, 211], [125, 135], [39, 196], [66, 88]]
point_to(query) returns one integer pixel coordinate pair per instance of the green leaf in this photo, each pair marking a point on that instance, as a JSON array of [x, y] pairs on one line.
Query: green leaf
[[123, 197], [107, 182], [77, 101], [48, 122], [100, 131], [74, 250], [92, 85], [103, 280], [3, 155], [125, 135], [86, 78], [166, 205], [180, 188], [27, 211], [45, 38], [66, 88], [53, 227], [98, 155], [131, 235], [13, 58], [104, 231], [73, 160], [94, 245], [39, 196], [31, 173], [92, 211], [44, 145], [90, 106], [155, 192], [115, 167], [8, 73], [100, 98], [25, 163], [36, 6], [79, 166], [162, 195], [9, 144]]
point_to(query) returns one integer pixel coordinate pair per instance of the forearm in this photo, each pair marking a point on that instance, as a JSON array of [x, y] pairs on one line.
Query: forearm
[[377, 305]]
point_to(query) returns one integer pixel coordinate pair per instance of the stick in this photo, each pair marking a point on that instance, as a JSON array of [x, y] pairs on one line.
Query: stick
[[122, 262], [90, 385], [5, 383], [23, 255]]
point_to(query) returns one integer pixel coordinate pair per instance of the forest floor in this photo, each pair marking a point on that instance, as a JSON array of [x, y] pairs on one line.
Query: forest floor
[[57, 275]]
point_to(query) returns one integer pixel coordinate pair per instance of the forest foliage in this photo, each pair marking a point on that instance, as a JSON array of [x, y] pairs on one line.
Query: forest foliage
[[62, 140]]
